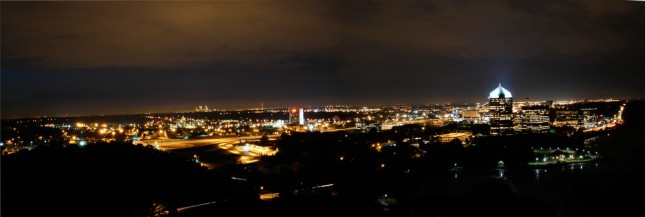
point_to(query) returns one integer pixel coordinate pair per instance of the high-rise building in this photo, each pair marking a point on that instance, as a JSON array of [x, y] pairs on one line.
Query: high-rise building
[[202, 109], [296, 116], [500, 107], [535, 118], [301, 116]]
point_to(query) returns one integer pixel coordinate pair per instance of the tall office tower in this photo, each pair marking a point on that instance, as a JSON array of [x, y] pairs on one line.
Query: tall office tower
[[296, 116], [500, 106], [301, 116]]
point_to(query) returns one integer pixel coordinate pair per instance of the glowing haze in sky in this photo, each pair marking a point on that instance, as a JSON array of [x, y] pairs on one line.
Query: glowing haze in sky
[[76, 58]]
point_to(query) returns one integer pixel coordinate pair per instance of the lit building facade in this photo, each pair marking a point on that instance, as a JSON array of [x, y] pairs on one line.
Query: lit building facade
[[588, 118], [535, 118], [500, 107], [296, 116], [566, 117], [471, 115]]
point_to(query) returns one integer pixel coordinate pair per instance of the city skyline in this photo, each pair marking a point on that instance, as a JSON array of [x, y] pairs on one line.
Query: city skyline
[[287, 107], [92, 58]]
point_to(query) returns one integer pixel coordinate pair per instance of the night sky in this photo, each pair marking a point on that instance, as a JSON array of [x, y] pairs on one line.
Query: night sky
[[80, 58]]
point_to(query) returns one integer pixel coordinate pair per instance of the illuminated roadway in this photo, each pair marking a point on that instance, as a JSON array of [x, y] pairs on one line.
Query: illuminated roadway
[[172, 144], [248, 153]]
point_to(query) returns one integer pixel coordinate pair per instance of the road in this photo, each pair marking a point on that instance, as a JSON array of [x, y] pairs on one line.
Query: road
[[247, 154], [601, 127], [172, 144]]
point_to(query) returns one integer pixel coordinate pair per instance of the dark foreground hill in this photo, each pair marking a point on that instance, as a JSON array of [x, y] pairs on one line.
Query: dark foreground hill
[[106, 179]]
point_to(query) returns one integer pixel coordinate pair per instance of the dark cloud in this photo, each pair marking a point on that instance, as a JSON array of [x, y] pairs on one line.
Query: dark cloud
[[121, 57], [160, 34]]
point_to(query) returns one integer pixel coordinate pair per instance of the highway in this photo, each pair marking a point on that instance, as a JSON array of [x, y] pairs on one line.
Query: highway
[[601, 127], [248, 153], [172, 144]]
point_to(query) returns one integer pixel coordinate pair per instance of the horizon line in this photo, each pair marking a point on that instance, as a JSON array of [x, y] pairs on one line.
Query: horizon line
[[286, 107]]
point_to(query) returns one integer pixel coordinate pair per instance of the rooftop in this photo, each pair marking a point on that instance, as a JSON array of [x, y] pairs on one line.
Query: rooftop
[[500, 92]]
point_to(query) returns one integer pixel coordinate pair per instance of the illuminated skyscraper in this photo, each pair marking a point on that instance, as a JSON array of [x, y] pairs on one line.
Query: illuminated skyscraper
[[301, 116], [293, 116], [500, 106], [296, 116]]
